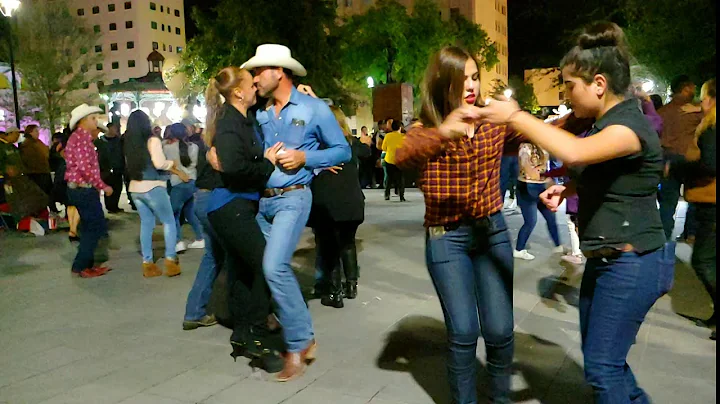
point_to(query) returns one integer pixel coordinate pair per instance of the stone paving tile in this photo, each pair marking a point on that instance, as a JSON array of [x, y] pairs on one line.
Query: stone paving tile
[[119, 338]]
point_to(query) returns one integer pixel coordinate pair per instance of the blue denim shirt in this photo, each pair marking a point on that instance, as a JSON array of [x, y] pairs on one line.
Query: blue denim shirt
[[306, 124]]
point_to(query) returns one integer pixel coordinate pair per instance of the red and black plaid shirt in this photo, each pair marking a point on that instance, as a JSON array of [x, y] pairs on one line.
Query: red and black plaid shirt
[[459, 178]]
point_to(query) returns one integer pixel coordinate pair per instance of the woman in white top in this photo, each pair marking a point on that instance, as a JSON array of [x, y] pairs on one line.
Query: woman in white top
[[148, 169], [533, 163], [185, 155]]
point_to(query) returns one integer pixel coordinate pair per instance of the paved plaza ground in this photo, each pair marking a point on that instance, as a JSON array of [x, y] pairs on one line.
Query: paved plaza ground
[[118, 339]]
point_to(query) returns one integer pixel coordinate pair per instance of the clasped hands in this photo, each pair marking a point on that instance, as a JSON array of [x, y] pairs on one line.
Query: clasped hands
[[496, 111], [288, 160]]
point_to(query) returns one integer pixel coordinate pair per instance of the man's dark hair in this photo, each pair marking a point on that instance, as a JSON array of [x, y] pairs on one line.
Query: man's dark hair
[[396, 125], [364, 127], [679, 83], [289, 73]]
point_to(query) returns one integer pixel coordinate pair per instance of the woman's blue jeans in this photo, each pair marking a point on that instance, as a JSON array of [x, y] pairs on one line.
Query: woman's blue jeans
[[207, 272], [182, 201], [150, 205], [615, 295], [472, 270], [528, 197]]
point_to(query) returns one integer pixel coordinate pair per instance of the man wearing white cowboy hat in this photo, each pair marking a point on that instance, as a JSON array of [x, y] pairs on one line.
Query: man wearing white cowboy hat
[[312, 140], [84, 186]]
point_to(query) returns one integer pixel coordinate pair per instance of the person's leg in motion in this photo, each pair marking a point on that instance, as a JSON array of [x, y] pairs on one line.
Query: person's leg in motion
[[550, 220], [195, 313], [668, 196], [93, 226], [282, 220], [528, 207], [147, 225], [704, 256], [159, 202], [348, 257], [452, 274], [493, 270], [73, 220]]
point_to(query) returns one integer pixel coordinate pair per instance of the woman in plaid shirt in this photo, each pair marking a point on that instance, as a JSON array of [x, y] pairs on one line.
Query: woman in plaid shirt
[[468, 249]]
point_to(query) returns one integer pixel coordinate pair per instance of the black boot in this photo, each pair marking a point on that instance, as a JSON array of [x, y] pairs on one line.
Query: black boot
[[352, 271], [335, 297]]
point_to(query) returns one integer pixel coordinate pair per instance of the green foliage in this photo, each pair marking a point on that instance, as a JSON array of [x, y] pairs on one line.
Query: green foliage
[[671, 37], [230, 34], [50, 58], [389, 44], [523, 93]]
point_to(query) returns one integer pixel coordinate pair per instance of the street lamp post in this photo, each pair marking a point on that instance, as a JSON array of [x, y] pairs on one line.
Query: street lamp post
[[8, 7]]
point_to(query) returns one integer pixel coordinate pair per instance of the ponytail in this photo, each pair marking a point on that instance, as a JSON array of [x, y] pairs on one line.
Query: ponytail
[[213, 103], [218, 91]]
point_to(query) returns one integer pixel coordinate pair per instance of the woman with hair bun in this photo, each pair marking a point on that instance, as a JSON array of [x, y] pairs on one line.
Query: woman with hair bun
[[616, 171]]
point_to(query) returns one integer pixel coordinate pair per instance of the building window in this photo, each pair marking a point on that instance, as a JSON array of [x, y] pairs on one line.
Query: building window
[[153, 6], [84, 68], [177, 30], [169, 28], [153, 25], [169, 48], [100, 85], [454, 12], [98, 48], [162, 27], [128, 5], [177, 13], [99, 66], [96, 28], [168, 10], [128, 24], [115, 65], [113, 27], [85, 85], [155, 46], [113, 47], [81, 12], [111, 7], [96, 10], [162, 9], [131, 45], [116, 81], [179, 49], [164, 48], [131, 63]]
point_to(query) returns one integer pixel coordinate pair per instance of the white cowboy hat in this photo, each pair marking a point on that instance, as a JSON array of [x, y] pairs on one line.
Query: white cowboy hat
[[271, 55], [81, 112]]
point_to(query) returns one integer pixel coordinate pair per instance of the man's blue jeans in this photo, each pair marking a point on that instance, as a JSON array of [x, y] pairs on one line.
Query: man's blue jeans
[[509, 172], [472, 270], [93, 226], [615, 295], [207, 272], [282, 220], [152, 204], [181, 199]]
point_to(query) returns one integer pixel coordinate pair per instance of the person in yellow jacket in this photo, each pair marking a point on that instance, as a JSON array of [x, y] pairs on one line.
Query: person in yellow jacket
[[390, 144]]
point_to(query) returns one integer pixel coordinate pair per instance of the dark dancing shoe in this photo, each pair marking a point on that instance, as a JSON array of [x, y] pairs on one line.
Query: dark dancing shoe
[[351, 289], [333, 300]]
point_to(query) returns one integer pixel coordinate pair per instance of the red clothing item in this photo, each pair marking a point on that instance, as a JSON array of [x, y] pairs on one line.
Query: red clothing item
[[82, 160], [459, 178]]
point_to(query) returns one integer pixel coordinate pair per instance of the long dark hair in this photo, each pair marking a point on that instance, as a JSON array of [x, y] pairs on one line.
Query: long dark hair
[[179, 131], [601, 49], [444, 84], [135, 139]]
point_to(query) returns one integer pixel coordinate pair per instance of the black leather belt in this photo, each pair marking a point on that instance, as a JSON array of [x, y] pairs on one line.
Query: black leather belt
[[271, 192]]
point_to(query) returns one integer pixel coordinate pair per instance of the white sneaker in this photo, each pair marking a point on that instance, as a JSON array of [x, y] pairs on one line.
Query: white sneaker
[[180, 246], [197, 244], [558, 250], [523, 255]]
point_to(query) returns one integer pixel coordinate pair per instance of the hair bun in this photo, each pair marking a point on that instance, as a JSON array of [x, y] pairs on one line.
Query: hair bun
[[601, 34]]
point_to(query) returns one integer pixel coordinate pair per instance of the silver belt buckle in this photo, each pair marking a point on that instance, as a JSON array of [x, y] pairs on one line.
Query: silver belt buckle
[[437, 231]]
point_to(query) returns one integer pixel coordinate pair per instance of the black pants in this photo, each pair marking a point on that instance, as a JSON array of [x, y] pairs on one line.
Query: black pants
[[243, 242], [45, 182], [336, 246], [395, 178], [114, 181], [704, 253], [668, 196], [127, 187]]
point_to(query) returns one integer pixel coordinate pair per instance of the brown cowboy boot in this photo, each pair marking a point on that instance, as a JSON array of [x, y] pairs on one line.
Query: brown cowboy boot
[[296, 363]]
